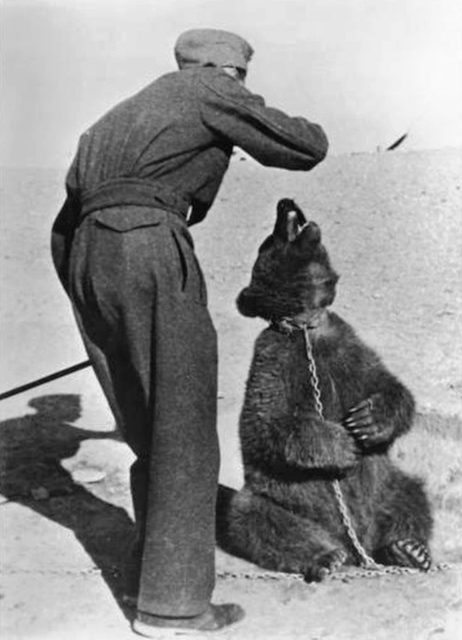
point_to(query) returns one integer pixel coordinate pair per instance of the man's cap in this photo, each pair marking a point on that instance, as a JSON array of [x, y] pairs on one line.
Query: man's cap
[[212, 47]]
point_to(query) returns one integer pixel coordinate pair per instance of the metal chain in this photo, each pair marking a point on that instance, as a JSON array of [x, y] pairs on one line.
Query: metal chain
[[341, 574], [367, 562], [53, 572], [313, 373]]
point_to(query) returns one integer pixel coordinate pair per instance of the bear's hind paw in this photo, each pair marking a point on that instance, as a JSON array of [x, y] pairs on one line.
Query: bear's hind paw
[[408, 553]]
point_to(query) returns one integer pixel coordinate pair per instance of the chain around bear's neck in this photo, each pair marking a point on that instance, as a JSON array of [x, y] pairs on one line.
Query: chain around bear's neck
[[289, 325]]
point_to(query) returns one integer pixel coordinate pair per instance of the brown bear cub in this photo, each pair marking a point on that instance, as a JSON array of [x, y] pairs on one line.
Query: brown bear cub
[[287, 517]]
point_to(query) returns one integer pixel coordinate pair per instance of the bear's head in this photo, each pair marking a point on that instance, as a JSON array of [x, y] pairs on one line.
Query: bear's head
[[292, 277]]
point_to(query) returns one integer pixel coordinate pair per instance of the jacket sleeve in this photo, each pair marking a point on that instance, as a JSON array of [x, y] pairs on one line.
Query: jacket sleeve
[[267, 134]]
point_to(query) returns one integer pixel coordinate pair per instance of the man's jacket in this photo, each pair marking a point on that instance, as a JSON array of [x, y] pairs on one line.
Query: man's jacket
[[169, 146]]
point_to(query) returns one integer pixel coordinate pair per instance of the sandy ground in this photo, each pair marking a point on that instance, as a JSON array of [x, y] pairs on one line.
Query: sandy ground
[[392, 225]]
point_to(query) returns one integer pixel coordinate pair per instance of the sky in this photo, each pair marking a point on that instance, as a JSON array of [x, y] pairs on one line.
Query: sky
[[367, 70]]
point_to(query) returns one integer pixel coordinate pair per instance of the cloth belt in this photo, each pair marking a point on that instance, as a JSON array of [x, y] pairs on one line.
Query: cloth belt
[[131, 191]]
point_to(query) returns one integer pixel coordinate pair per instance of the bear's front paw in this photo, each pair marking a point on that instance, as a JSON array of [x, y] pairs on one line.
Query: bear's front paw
[[324, 564], [365, 424]]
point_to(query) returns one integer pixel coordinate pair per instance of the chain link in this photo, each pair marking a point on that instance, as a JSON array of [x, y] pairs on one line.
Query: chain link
[[313, 373], [341, 575], [53, 572], [367, 562]]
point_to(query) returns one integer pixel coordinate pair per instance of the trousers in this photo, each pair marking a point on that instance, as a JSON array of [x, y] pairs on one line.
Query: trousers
[[140, 303]]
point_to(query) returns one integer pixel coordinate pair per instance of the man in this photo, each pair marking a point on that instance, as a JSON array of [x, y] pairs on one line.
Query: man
[[145, 171]]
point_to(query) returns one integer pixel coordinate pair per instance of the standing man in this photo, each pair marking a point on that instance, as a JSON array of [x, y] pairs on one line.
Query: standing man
[[142, 174]]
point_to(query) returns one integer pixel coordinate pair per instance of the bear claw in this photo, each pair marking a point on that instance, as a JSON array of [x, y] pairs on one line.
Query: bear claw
[[409, 553], [324, 564]]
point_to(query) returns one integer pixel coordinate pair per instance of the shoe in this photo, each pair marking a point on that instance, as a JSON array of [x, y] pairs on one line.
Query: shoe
[[214, 618]]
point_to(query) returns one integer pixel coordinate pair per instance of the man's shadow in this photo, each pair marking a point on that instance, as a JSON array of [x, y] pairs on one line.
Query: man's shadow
[[31, 450]]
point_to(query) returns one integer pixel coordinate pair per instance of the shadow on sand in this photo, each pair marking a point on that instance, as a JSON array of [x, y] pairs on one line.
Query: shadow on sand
[[32, 448]]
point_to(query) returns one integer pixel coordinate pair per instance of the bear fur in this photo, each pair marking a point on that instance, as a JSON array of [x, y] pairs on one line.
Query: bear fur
[[286, 517]]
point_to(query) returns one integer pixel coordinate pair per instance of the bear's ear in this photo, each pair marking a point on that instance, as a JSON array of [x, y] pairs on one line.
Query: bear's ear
[[246, 303], [289, 221]]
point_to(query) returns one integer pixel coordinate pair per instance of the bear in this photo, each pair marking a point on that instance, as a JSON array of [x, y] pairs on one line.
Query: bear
[[320, 413]]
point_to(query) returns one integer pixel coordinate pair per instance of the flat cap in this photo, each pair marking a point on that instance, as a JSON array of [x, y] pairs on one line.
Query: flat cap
[[212, 47]]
